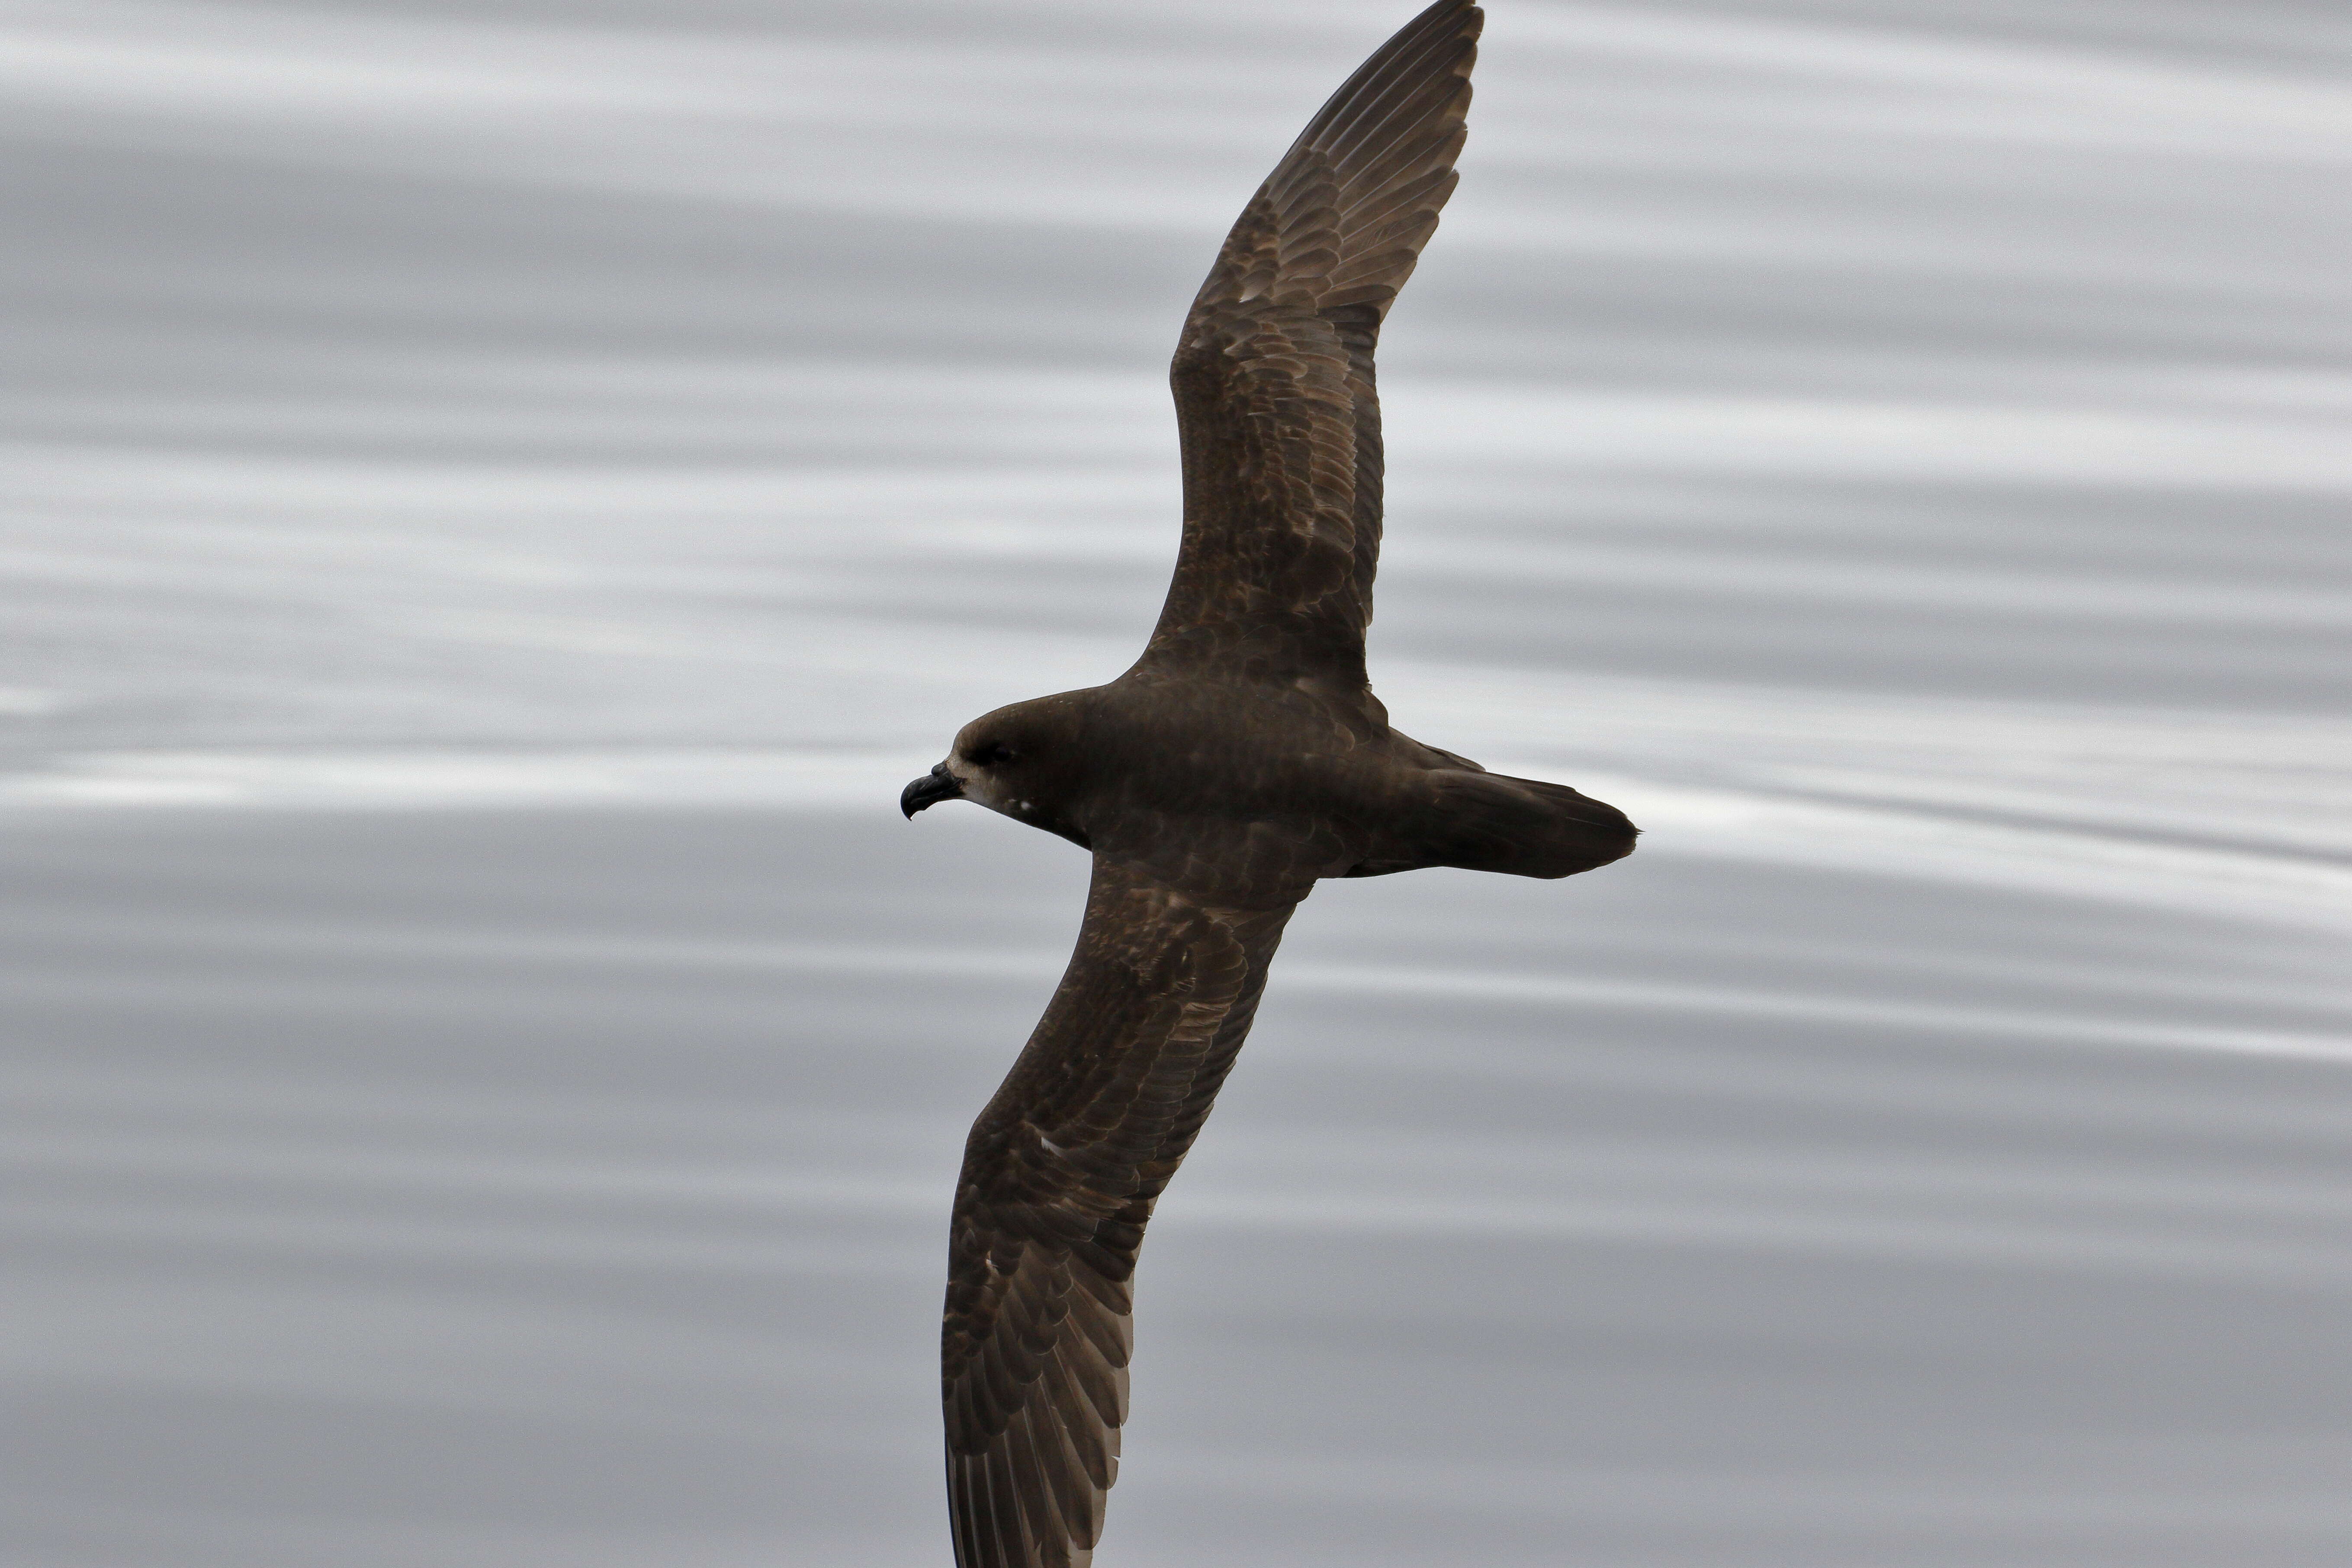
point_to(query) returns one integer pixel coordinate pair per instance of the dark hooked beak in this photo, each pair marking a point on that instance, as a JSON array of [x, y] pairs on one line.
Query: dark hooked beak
[[933, 787]]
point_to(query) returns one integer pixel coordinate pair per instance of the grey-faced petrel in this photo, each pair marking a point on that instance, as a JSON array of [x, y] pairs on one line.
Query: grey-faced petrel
[[1242, 757]]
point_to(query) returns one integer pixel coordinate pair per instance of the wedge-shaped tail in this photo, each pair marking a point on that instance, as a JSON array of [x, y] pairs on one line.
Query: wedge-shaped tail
[[1491, 821]]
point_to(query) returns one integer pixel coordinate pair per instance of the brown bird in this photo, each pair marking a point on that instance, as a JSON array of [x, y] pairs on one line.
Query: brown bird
[[1242, 757]]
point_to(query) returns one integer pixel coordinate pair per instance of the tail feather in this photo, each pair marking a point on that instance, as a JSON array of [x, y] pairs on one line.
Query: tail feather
[[1492, 822]]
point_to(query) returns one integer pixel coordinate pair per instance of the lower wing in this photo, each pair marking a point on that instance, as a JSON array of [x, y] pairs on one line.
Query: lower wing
[[1059, 1178]]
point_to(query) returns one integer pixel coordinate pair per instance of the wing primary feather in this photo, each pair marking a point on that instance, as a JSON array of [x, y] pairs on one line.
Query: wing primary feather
[[1376, 103], [1033, 1482], [1367, 215], [1004, 1507], [1393, 60]]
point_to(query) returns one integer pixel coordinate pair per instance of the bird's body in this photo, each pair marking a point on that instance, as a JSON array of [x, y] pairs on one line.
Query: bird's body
[[1240, 761], [1246, 793]]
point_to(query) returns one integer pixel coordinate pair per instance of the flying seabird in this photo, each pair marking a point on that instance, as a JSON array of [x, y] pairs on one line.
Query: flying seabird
[[1242, 757]]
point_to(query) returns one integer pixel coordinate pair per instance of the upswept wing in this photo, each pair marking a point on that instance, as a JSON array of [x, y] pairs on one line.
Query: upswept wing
[[1275, 394], [1059, 1177]]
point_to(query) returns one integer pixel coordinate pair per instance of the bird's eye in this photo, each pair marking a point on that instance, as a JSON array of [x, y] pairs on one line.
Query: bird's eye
[[995, 752]]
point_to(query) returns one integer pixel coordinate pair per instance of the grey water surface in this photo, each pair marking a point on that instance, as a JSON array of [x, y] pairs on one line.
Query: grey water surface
[[496, 498]]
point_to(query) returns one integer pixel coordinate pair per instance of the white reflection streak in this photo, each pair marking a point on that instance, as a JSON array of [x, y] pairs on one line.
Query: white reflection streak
[[2039, 94], [493, 952], [1719, 1496]]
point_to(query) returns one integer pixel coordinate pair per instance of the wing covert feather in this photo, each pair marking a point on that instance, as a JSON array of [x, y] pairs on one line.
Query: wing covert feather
[[1059, 1177], [1275, 396]]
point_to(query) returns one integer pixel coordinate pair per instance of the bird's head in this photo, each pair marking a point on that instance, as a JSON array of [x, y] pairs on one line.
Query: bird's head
[[1023, 762]]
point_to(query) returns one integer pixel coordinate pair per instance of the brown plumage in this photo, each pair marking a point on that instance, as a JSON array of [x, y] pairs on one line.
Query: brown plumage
[[1242, 758]]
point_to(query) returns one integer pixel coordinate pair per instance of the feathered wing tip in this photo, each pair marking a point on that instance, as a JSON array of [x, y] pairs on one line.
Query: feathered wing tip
[[1033, 1419], [1343, 218]]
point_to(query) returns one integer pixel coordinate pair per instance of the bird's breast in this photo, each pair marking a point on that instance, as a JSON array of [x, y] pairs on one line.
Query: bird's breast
[[1237, 793]]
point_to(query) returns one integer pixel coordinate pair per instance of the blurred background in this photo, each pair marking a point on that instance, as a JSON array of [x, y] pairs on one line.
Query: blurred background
[[498, 495]]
